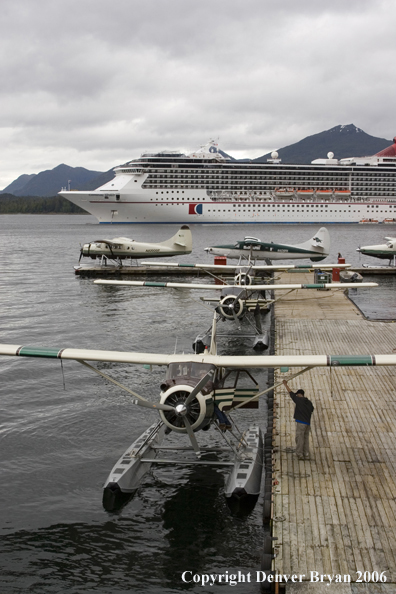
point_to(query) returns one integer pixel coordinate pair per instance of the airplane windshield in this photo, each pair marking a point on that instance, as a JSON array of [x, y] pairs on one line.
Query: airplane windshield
[[188, 369]]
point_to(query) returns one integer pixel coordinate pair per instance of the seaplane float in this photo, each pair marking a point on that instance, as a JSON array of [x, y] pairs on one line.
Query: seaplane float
[[196, 394], [384, 251], [121, 248]]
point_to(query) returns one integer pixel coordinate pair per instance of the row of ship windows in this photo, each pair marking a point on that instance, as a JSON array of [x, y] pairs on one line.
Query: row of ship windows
[[287, 204], [249, 207], [247, 177], [285, 178], [257, 171], [218, 185]]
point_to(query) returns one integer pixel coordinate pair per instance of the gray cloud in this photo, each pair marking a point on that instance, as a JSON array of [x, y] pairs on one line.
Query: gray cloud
[[93, 83]]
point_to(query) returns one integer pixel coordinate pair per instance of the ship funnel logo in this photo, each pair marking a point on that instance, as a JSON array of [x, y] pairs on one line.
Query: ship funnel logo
[[195, 209]]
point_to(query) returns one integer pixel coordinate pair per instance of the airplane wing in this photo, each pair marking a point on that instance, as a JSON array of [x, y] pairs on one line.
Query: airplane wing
[[214, 287], [273, 361], [302, 267]]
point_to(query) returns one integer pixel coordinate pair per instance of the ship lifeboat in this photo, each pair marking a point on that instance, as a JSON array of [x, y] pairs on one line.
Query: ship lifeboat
[[324, 193], [284, 192], [305, 193], [342, 193], [389, 221], [368, 221]]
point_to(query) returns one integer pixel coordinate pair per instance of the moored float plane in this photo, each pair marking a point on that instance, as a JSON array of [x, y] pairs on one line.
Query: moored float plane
[[385, 251], [195, 395], [121, 248], [317, 248], [237, 300]]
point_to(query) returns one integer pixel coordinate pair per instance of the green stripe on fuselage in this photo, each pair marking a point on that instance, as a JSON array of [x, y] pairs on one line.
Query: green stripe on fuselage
[[39, 352]]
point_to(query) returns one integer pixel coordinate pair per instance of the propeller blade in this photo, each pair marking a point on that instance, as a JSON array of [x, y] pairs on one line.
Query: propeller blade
[[206, 378], [81, 255], [147, 404], [257, 319], [192, 437]]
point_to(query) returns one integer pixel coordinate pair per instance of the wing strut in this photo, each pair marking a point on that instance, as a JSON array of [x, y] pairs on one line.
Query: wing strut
[[140, 402], [271, 388]]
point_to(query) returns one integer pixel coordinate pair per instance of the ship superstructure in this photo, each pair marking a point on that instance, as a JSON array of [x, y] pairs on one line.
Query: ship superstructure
[[209, 187]]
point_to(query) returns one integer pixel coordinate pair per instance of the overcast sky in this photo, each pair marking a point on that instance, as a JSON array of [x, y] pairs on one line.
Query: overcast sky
[[93, 83]]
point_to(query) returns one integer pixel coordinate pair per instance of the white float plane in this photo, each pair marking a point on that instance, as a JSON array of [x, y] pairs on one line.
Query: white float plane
[[385, 251], [237, 300], [195, 395], [317, 248], [120, 248]]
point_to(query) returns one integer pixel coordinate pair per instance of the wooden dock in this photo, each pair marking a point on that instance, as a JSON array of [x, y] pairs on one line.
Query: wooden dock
[[336, 512]]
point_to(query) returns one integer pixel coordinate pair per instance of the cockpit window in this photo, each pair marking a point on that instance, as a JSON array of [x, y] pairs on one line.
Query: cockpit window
[[188, 369]]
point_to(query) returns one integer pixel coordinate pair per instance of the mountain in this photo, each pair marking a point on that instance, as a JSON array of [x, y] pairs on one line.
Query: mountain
[[50, 182], [98, 181], [19, 183], [343, 141]]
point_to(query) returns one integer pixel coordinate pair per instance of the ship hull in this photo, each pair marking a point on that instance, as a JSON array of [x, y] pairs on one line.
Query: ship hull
[[144, 208], [207, 188]]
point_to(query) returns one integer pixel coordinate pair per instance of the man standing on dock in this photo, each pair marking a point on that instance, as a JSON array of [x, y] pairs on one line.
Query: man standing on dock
[[302, 415]]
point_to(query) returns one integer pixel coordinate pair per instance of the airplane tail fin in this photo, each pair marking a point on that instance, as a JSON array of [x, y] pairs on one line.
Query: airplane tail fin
[[319, 243], [182, 239]]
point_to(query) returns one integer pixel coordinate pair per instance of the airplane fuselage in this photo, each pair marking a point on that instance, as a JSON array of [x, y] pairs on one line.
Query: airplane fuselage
[[263, 251], [385, 251], [128, 249]]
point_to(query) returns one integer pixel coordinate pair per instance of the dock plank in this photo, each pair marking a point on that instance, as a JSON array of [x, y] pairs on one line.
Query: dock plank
[[341, 512]]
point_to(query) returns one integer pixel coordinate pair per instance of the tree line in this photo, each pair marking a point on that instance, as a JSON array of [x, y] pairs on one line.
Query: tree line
[[10, 204]]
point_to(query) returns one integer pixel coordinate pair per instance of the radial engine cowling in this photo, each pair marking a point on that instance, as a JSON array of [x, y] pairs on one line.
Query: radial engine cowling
[[244, 279], [231, 307], [199, 411]]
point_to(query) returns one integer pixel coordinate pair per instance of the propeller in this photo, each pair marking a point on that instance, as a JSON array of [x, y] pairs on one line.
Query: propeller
[[180, 409], [192, 437], [202, 382], [243, 277], [257, 319], [147, 404], [231, 306]]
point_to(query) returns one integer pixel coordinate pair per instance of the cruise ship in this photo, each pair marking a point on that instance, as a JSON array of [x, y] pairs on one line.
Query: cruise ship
[[209, 187]]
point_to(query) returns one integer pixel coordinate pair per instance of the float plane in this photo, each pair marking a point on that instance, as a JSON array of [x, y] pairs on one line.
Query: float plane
[[317, 248], [237, 300], [195, 395], [385, 251], [121, 248]]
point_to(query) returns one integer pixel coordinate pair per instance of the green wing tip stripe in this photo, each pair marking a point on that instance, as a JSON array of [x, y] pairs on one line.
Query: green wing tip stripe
[[316, 286], [39, 352], [186, 265], [351, 360], [153, 284]]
